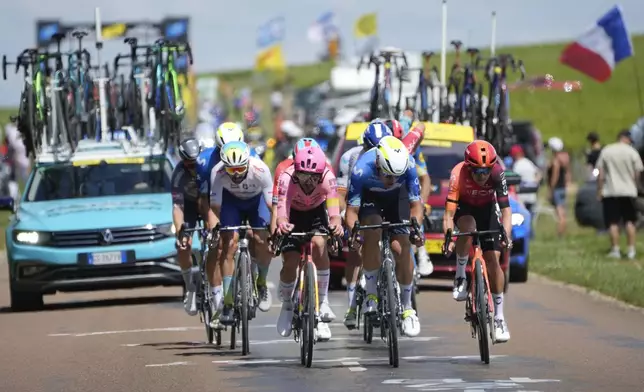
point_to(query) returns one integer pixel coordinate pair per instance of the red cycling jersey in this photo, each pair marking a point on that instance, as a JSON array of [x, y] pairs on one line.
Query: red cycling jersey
[[463, 189]]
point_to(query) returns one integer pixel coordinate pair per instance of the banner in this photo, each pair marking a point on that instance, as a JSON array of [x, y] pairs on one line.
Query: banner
[[366, 26], [270, 59], [270, 36]]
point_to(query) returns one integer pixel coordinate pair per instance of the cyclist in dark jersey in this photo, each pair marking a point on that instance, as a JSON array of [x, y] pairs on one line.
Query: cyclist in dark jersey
[[476, 186], [185, 196]]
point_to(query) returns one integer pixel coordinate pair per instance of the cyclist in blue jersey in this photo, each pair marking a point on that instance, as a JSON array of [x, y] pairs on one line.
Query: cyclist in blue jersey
[[425, 266], [227, 132], [375, 194]]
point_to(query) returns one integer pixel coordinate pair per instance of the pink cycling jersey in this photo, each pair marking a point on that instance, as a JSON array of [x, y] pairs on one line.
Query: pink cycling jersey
[[291, 195]]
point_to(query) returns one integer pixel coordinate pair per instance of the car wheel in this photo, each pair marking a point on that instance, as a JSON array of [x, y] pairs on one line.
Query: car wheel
[[22, 301], [519, 273]]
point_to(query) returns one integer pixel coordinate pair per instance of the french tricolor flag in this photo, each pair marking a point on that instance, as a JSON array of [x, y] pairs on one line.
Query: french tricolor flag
[[597, 51]]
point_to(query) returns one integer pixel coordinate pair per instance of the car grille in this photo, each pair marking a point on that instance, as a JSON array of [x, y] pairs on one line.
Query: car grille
[[96, 237], [435, 221]]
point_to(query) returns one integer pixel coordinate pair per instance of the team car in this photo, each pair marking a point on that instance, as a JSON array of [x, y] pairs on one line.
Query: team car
[[98, 219]]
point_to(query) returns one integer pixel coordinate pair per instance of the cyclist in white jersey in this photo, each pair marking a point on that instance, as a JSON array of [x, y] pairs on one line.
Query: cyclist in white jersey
[[375, 131], [241, 188]]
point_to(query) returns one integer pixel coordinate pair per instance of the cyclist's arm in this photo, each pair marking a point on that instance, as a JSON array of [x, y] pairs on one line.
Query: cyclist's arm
[[354, 194], [413, 192], [452, 199], [283, 208], [216, 194], [503, 200], [266, 181], [177, 198], [332, 199]]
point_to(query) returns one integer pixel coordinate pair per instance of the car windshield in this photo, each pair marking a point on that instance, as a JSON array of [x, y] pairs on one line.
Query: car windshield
[[441, 160], [96, 179]]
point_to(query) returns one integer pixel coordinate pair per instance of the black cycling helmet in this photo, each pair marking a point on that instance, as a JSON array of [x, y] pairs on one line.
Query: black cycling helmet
[[189, 149]]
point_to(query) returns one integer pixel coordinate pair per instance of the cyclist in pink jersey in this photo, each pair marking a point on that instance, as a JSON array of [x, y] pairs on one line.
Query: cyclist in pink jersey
[[307, 201]]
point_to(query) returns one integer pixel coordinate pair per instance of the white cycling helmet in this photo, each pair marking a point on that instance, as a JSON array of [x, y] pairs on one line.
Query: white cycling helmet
[[392, 156], [228, 132], [235, 154]]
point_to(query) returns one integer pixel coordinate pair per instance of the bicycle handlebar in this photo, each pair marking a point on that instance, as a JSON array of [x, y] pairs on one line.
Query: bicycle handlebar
[[240, 227], [450, 235], [277, 239], [384, 225]]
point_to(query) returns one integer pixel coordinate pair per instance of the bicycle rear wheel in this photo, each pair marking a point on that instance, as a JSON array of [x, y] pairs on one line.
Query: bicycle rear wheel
[[308, 317], [391, 321], [243, 310], [481, 313], [206, 311]]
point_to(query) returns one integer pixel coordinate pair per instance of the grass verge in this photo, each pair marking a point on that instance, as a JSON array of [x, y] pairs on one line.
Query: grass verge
[[580, 258]]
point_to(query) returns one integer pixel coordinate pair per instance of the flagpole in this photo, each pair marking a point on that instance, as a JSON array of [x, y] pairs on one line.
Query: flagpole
[[444, 45], [493, 40], [637, 84]]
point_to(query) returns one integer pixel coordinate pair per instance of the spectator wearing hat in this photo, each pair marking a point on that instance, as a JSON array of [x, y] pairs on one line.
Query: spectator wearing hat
[[620, 167], [592, 154], [530, 177], [559, 178]]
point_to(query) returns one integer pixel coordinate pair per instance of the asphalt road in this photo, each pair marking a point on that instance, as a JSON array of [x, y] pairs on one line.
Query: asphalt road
[[141, 340]]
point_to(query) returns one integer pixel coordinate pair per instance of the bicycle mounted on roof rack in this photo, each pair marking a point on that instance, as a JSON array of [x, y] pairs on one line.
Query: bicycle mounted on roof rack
[[380, 102]]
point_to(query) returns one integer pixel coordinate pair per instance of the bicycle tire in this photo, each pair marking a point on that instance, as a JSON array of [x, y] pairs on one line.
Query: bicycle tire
[[207, 315], [392, 319], [367, 333], [243, 286], [481, 313], [309, 315]]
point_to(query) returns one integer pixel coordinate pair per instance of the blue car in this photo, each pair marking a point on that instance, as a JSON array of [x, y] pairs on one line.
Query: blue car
[[101, 219], [521, 234]]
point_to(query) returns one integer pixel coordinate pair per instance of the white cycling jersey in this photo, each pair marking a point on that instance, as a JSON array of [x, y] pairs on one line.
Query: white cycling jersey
[[347, 161], [258, 180]]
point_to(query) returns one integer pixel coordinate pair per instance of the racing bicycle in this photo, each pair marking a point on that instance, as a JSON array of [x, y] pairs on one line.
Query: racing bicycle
[[388, 314], [479, 306], [204, 291], [242, 295], [305, 296]]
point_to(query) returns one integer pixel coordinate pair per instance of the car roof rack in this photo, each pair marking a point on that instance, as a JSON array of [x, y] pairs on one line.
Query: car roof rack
[[121, 143]]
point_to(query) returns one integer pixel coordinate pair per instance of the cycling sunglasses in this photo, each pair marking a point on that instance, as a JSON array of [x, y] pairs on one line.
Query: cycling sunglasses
[[481, 171], [236, 170]]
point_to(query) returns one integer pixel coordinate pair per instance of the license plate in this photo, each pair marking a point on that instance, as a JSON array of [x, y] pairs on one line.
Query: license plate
[[106, 258], [434, 246]]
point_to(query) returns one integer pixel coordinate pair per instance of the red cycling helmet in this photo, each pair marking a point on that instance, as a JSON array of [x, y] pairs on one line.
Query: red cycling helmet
[[395, 127], [480, 153]]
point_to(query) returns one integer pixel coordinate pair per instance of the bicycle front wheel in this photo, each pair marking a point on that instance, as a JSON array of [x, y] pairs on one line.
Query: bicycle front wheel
[[392, 319], [308, 317], [244, 287], [481, 313], [206, 310]]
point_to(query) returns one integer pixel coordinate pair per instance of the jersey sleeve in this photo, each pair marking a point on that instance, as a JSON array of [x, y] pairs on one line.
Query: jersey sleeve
[[331, 191], [412, 182], [283, 202], [454, 192], [203, 177], [343, 171], [501, 188], [216, 186], [355, 185], [177, 190], [266, 181]]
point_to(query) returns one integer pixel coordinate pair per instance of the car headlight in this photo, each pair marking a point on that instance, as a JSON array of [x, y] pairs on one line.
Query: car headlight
[[30, 237], [167, 229], [517, 219]]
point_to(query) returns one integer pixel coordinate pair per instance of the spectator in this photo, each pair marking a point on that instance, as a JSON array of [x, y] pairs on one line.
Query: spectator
[[530, 177], [593, 152], [558, 180], [620, 167]]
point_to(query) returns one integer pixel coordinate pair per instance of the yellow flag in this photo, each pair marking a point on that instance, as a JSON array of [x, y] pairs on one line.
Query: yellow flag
[[270, 58], [114, 31], [366, 26]]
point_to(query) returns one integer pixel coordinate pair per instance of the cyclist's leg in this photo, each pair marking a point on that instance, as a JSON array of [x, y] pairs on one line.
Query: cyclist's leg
[[230, 216], [291, 248], [318, 221], [488, 219], [352, 270], [259, 216], [395, 212], [184, 256], [369, 214], [465, 221]]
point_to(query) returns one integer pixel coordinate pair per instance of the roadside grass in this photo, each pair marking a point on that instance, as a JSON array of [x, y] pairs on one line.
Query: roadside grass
[[579, 258]]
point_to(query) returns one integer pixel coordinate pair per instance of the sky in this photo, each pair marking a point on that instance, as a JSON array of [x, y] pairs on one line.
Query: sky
[[223, 33]]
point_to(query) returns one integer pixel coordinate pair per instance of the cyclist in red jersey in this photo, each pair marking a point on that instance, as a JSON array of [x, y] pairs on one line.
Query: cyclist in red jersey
[[476, 186]]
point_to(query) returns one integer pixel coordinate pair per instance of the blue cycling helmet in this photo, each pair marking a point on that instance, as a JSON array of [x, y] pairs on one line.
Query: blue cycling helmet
[[304, 142], [325, 127], [374, 132]]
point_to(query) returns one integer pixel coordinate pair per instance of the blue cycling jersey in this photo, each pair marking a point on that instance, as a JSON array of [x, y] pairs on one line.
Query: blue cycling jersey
[[206, 161], [365, 178]]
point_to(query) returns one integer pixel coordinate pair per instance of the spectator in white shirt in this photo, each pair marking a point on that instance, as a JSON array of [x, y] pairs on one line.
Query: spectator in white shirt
[[530, 177]]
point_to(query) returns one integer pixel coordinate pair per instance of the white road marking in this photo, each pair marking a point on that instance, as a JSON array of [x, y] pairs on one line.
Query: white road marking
[[290, 341], [354, 366], [458, 384], [168, 364], [350, 359], [528, 380]]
